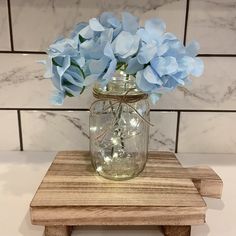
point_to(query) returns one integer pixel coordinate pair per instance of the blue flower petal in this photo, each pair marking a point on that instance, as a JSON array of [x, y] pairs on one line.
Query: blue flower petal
[[144, 35], [106, 36], [57, 97], [110, 72], [90, 79], [143, 84], [151, 76], [133, 49], [162, 49], [91, 50], [168, 37], [80, 61], [73, 89], [77, 29], [56, 79], [155, 27], [133, 66], [130, 22], [108, 20], [186, 64], [154, 97], [192, 49], [164, 65], [65, 66], [68, 78], [108, 51], [87, 32], [146, 53], [98, 66], [95, 25], [123, 43], [198, 67]]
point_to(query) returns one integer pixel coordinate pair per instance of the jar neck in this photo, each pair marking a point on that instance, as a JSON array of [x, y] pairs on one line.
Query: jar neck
[[120, 84]]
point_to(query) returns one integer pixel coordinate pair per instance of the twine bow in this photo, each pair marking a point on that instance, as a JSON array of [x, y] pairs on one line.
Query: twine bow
[[123, 98]]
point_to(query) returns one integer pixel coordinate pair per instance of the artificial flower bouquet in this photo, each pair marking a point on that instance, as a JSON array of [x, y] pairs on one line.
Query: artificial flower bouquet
[[150, 62], [95, 50]]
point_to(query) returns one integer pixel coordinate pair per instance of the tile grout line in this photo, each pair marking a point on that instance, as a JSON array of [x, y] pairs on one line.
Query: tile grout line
[[186, 21], [10, 24], [44, 53], [87, 109], [177, 131], [20, 130]]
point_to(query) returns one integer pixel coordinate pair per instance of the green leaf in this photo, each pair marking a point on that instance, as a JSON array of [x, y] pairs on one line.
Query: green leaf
[[82, 90], [55, 63], [69, 94], [81, 39], [76, 65]]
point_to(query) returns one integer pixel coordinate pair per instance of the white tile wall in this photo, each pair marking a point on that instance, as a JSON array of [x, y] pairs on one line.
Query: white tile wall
[[215, 89], [68, 130], [207, 132], [4, 27], [55, 130], [9, 135], [22, 84], [163, 134], [22, 77], [55, 18], [37, 23], [212, 23]]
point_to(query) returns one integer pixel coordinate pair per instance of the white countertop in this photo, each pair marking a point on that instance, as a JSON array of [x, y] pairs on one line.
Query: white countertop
[[21, 173]]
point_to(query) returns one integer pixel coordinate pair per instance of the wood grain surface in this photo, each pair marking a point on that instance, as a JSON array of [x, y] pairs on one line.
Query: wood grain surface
[[72, 193]]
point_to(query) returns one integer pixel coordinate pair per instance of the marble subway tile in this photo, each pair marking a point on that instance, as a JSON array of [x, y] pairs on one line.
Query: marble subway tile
[[215, 89], [9, 135], [60, 130], [55, 18], [212, 24], [163, 133], [207, 132], [53, 131], [4, 27], [22, 85]]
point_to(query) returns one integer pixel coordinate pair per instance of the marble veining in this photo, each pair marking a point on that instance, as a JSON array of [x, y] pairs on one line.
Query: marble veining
[[55, 130], [213, 24], [22, 85], [55, 18], [63, 130], [162, 135], [216, 89], [207, 132]]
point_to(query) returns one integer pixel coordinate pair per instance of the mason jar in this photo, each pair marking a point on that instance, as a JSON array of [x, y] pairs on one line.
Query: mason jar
[[119, 129]]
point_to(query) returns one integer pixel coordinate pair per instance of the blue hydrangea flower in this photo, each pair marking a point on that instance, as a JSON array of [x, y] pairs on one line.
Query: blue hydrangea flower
[[167, 63], [64, 68], [99, 47]]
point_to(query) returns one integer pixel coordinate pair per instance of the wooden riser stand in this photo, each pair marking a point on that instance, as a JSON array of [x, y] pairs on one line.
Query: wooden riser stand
[[165, 194]]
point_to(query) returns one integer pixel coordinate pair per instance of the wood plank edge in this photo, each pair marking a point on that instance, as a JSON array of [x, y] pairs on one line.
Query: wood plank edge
[[118, 216]]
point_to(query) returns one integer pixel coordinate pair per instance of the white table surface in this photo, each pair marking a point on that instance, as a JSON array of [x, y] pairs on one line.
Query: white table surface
[[21, 173]]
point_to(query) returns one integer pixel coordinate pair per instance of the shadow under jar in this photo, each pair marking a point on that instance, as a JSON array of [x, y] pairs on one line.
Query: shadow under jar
[[119, 129]]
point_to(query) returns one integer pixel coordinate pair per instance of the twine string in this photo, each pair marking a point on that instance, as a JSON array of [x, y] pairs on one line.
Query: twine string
[[126, 99]]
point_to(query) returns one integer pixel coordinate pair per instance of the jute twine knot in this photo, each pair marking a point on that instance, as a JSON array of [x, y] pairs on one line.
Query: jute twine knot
[[124, 98], [120, 99]]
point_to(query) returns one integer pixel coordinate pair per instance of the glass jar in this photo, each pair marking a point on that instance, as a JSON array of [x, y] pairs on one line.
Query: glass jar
[[119, 129]]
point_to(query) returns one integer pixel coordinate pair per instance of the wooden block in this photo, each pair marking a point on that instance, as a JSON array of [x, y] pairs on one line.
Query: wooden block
[[165, 193], [58, 230], [177, 230], [207, 182]]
